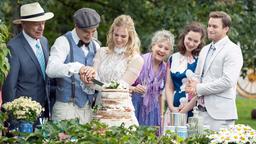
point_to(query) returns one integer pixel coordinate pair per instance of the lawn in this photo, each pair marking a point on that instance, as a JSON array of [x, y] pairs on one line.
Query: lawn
[[244, 107]]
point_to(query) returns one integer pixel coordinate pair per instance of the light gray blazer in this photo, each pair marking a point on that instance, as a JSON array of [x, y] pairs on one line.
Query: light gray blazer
[[218, 84]]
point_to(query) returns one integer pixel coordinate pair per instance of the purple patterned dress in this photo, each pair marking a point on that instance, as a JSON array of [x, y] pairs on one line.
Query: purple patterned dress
[[147, 106]]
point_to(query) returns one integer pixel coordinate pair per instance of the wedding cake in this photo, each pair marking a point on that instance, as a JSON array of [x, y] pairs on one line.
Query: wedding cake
[[116, 108]]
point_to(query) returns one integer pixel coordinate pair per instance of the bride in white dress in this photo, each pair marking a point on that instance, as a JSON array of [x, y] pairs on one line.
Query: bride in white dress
[[121, 60]]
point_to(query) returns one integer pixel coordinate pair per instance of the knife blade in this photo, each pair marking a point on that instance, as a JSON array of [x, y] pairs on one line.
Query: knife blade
[[97, 82]]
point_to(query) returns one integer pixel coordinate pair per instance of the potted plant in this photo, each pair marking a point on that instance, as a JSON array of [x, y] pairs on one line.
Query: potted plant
[[24, 110]]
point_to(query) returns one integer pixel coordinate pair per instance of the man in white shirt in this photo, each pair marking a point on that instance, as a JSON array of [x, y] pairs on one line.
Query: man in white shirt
[[219, 66], [71, 57]]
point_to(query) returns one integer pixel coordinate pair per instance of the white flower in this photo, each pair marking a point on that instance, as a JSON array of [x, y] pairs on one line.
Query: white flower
[[24, 108], [236, 134]]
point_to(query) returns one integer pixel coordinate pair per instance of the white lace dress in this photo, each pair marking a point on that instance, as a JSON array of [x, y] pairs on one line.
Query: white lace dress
[[111, 66], [115, 66]]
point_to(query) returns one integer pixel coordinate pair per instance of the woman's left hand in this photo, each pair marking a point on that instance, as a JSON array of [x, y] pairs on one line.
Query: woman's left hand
[[139, 89]]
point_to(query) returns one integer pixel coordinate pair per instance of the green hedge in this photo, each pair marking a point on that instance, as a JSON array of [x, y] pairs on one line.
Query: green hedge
[[95, 133]]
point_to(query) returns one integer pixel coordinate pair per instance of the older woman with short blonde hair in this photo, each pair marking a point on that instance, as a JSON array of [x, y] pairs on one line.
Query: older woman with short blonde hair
[[147, 89]]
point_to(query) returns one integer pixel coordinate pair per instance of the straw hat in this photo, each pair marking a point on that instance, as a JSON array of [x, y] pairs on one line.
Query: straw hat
[[33, 12]]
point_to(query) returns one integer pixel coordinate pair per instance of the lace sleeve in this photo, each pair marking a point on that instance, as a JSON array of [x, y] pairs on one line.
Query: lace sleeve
[[98, 57], [133, 69]]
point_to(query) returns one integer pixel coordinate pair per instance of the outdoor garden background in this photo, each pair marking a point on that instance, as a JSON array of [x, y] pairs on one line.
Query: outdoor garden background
[[149, 16]]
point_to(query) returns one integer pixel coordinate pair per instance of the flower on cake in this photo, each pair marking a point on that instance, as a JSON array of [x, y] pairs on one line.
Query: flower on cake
[[24, 108], [116, 85]]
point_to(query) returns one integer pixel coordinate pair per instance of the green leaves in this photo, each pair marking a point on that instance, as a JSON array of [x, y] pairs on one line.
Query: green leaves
[[4, 65], [93, 132], [150, 16], [111, 85], [198, 139], [96, 132]]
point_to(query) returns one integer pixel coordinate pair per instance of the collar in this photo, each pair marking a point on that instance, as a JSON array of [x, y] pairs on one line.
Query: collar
[[219, 43], [75, 36], [119, 50], [77, 40], [32, 42]]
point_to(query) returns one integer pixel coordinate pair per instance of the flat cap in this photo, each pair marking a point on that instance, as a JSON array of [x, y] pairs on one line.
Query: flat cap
[[86, 18]]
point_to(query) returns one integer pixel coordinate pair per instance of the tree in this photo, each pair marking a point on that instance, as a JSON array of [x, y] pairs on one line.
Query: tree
[[150, 16], [4, 65]]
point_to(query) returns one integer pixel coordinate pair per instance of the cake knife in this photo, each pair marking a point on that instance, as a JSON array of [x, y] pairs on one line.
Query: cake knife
[[97, 82]]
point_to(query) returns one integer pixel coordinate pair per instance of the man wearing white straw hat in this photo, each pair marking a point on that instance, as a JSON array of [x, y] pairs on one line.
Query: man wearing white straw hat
[[28, 57]]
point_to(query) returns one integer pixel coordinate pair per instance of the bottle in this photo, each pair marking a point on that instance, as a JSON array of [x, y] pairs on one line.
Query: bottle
[[195, 123], [182, 131]]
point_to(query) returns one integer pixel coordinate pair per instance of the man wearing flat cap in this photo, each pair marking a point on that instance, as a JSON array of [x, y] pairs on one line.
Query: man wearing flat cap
[[71, 57], [28, 58]]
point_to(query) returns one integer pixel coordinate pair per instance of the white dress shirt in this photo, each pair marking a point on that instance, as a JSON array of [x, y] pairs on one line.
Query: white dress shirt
[[56, 68], [31, 41]]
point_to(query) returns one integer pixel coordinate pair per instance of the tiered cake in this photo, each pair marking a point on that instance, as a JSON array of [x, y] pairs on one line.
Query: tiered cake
[[116, 108]]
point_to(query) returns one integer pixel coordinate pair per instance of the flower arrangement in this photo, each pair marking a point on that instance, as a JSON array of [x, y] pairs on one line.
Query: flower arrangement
[[238, 134], [24, 108], [115, 85]]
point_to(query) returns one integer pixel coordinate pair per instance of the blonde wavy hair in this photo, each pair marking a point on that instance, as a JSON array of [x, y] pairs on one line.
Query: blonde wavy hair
[[133, 44]]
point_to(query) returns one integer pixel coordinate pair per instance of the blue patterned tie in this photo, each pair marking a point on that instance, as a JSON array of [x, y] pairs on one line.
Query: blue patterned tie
[[40, 58]]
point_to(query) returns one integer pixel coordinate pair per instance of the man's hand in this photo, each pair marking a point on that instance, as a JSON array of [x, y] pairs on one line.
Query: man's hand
[[87, 73]]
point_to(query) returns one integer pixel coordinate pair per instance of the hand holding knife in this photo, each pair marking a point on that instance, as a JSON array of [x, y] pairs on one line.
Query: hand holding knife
[[97, 82], [87, 73]]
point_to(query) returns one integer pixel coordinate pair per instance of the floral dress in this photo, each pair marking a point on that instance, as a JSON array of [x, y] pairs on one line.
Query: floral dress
[[179, 64]]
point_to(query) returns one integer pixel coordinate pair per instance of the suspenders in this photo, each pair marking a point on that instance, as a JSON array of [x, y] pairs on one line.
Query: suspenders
[[73, 83]]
